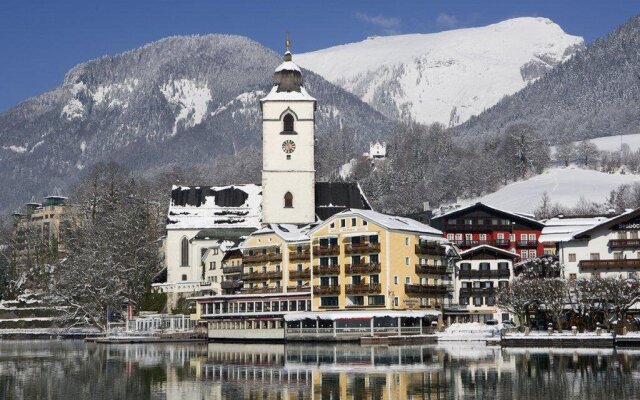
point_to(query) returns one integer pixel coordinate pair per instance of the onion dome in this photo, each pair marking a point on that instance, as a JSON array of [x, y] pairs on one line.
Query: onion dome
[[288, 76]]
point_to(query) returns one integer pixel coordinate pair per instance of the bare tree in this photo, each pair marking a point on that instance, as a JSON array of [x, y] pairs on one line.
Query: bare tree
[[553, 295], [587, 152], [518, 298], [566, 152]]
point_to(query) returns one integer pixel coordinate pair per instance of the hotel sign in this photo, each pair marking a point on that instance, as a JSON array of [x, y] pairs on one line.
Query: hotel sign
[[633, 225]]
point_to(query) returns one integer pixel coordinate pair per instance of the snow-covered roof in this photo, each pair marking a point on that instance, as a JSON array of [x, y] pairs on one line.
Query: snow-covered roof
[[288, 66], [486, 247], [390, 222], [288, 232], [527, 216], [335, 315], [237, 206], [559, 229], [625, 216], [274, 95]]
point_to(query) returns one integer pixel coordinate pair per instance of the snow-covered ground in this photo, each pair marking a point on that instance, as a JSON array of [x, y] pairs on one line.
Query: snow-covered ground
[[612, 143], [472, 331], [447, 76], [564, 185]]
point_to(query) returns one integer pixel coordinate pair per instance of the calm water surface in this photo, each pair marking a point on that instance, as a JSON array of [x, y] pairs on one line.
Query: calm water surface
[[75, 370]]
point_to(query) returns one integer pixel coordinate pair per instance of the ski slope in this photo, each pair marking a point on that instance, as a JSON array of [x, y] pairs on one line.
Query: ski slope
[[564, 186], [449, 76]]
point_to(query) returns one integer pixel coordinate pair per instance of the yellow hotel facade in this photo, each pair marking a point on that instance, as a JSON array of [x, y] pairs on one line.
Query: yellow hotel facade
[[358, 273]]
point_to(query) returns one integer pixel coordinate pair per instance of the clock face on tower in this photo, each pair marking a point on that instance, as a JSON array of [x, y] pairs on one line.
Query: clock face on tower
[[288, 146]]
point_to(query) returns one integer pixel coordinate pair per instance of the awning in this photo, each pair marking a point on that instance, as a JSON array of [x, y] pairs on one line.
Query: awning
[[339, 315]]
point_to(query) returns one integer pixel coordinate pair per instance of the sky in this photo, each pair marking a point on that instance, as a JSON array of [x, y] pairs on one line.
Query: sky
[[40, 40]]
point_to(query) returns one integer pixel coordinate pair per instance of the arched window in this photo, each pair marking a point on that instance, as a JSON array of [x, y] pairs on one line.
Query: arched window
[[184, 252], [288, 200], [288, 123]]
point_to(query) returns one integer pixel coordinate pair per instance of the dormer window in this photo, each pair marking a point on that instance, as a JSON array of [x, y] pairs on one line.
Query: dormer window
[[288, 123]]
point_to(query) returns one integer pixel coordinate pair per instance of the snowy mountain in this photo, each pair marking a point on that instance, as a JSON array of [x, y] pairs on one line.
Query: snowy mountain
[[596, 93], [445, 77], [181, 100], [564, 185]]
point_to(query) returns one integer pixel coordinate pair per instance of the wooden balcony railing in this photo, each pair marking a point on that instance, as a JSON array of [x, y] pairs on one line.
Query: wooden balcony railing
[[304, 274], [477, 292], [527, 243], [260, 258], [502, 243], [426, 290], [326, 269], [431, 249], [298, 289], [300, 255], [326, 289], [485, 274], [362, 248], [326, 250], [370, 288], [610, 264], [623, 243], [236, 269], [267, 289], [364, 268], [431, 269], [261, 276]]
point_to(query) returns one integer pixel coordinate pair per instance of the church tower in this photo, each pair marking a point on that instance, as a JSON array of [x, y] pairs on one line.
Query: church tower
[[288, 174]]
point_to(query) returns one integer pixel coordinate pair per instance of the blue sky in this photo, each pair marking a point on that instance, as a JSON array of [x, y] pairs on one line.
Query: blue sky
[[40, 40]]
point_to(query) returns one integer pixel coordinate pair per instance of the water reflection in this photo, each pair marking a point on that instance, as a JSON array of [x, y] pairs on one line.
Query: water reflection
[[75, 370]]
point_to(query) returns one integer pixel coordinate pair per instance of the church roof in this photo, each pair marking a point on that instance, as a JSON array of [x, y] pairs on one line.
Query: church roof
[[288, 84], [236, 210]]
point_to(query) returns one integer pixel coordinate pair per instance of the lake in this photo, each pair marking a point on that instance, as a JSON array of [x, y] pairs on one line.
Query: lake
[[76, 370]]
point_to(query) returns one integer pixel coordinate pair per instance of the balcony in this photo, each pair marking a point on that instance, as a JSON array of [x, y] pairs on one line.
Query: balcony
[[260, 258], [362, 248], [477, 292], [262, 276], [610, 264], [431, 249], [624, 243], [303, 288], [485, 274], [231, 284], [431, 269], [364, 268], [426, 290], [502, 243], [326, 269], [304, 274], [236, 269], [267, 289], [371, 288], [527, 244], [320, 290], [326, 250], [300, 255]]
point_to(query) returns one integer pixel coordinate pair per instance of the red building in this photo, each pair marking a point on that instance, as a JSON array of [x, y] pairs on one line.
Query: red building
[[480, 224]]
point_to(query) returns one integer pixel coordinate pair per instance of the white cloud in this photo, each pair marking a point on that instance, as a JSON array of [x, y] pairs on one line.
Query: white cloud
[[445, 20], [379, 20]]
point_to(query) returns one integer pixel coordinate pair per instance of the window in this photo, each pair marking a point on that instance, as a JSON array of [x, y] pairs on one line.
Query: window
[[617, 255], [373, 239], [465, 266], [572, 257], [484, 266], [212, 265], [468, 221], [450, 236], [353, 222], [356, 279], [464, 301], [374, 278], [376, 300], [395, 280], [333, 225], [406, 261], [184, 252], [491, 301], [406, 241], [374, 259], [328, 301], [184, 277], [503, 266], [483, 236], [500, 236], [364, 223], [573, 276], [524, 254], [396, 301], [343, 223], [458, 236], [407, 280], [523, 237], [477, 301], [468, 237], [532, 237], [287, 123], [594, 256], [288, 200]]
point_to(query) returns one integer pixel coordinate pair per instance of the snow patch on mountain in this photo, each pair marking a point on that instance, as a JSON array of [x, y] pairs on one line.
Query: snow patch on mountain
[[116, 94], [246, 102], [190, 98], [449, 76], [15, 149], [564, 185], [73, 110]]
